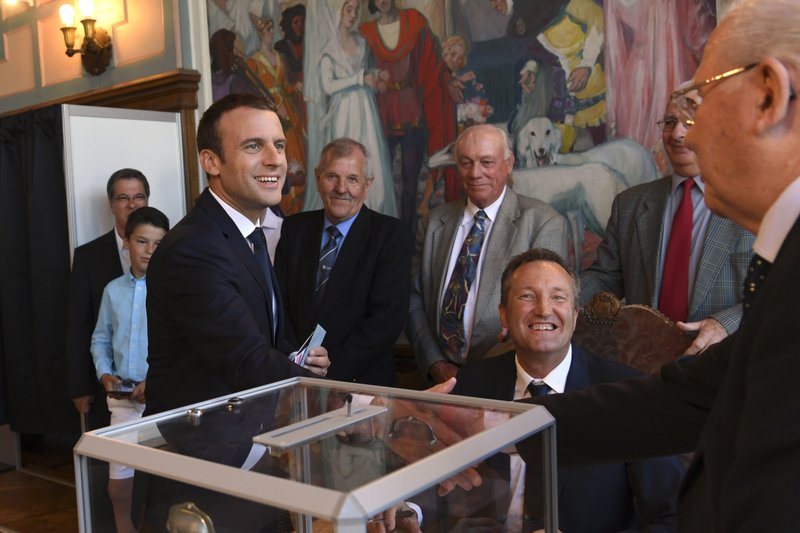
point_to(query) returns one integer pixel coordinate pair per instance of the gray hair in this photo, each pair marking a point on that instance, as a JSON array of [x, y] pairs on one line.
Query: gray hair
[[500, 132]]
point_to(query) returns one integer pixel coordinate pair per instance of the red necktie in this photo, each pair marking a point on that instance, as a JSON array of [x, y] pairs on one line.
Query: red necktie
[[673, 299]]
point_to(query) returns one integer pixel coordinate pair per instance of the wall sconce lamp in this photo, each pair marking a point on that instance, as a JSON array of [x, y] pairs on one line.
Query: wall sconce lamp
[[95, 50]]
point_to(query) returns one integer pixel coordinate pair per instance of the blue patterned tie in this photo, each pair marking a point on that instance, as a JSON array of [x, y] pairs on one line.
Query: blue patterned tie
[[451, 321], [538, 389], [327, 258]]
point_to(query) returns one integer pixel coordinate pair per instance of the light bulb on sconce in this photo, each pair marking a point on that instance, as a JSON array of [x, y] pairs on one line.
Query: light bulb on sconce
[[96, 47]]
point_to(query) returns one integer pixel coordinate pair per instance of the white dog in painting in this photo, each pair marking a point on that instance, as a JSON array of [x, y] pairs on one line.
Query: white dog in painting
[[539, 144]]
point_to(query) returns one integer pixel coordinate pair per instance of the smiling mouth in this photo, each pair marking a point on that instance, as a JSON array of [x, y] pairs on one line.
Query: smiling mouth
[[267, 179], [542, 327]]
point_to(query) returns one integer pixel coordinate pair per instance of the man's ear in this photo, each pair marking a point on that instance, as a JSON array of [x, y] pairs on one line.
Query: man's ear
[[210, 162], [775, 93], [369, 180]]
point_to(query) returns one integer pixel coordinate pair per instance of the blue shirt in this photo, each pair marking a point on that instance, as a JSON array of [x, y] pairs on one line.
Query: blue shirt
[[119, 342], [343, 227]]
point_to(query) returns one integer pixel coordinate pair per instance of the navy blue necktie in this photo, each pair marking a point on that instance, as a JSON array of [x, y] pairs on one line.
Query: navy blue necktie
[[327, 258], [756, 275], [538, 389], [262, 258]]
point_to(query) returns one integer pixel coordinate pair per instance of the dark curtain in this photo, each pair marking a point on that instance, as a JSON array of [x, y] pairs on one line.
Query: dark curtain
[[34, 271]]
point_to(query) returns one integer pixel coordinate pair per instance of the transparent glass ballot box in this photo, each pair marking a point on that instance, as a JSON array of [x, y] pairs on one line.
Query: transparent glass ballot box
[[319, 455]]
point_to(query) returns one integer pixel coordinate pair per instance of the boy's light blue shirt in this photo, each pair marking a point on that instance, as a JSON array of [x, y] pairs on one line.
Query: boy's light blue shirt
[[119, 342]]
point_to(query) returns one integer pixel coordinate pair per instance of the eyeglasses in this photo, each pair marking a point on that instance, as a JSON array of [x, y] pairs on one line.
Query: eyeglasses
[[124, 198], [668, 123], [687, 100]]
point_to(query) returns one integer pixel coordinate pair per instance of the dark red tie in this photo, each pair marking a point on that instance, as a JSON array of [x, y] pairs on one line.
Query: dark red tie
[[673, 299]]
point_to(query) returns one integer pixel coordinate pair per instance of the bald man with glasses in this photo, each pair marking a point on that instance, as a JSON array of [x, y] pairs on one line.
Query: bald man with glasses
[[677, 257]]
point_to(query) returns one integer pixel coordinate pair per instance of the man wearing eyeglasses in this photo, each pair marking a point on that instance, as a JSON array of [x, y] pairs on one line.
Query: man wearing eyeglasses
[[94, 265], [664, 248], [737, 404]]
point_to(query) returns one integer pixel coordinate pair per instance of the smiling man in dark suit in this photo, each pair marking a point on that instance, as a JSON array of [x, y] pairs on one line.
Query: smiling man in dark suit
[[539, 308], [345, 267], [213, 305], [94, 265]]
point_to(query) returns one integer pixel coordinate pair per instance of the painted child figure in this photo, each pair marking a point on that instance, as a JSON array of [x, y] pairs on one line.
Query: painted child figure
[[119, 345]]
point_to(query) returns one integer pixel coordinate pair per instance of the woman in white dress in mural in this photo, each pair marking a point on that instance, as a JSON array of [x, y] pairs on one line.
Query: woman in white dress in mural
[[340, 97]]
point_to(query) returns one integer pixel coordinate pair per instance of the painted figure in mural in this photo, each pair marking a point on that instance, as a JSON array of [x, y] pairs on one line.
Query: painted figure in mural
[[293, 23], [341, 96], [473, 106], [227, 74], [571, 30], [234, 16], [267, 65], [414, 96], [650, 48], [534, 98]]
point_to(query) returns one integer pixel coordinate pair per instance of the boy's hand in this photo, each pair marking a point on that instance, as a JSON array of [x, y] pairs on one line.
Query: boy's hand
[[108, 382], [138, 392]]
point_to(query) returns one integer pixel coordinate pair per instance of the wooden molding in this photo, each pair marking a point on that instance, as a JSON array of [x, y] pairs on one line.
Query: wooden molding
[[174, 91]]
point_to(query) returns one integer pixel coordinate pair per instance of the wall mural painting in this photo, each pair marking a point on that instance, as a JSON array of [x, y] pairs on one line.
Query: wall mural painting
[[578, 85]]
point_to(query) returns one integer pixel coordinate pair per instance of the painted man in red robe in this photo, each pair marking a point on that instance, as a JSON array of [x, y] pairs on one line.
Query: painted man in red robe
[[414, 93]]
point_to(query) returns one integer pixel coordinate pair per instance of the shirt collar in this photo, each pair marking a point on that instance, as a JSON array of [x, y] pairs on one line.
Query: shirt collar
[[556, 379], [119, 239], [678, 180], [777, 222], [271, 220], [243, 223], [490, 210], [343, 227]]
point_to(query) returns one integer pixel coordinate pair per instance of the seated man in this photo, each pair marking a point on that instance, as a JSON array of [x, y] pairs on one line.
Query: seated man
[[691, 269], [355, 284], [460, 250], [539, 308]]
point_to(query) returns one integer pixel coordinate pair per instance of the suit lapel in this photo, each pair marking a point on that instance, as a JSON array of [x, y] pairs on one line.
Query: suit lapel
[[239, 245], [577, 379], [310, 239], [442, 243], [649, 227], [495, 252], [347, 259], [720, 241]]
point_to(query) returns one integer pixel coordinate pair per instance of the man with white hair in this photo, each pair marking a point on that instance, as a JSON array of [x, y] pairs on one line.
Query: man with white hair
[[737, 404], [461, 249]]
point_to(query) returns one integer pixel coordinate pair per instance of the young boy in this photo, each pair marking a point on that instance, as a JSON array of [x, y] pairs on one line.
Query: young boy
[[119, 345]]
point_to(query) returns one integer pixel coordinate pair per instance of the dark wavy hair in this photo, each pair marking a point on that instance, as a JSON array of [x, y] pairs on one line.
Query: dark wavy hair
[[208, 129]]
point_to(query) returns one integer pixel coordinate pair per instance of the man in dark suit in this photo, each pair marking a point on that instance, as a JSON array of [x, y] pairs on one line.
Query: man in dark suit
[[214, 308], [637, 258], [737, 403], [538, 307], [362, 301], [213, 305], [511, 225], [94, 264]]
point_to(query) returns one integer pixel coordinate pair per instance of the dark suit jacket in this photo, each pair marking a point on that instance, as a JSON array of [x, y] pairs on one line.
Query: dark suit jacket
[[629, 259], [209, 330], [94, 264], [736, 404], [635, 496], [365, 303]]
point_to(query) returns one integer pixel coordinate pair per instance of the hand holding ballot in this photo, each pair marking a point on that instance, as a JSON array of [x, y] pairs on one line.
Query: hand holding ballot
[[312, 355]]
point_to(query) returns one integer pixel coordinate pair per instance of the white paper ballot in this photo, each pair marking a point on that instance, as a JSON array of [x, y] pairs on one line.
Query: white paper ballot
[[313, 340]]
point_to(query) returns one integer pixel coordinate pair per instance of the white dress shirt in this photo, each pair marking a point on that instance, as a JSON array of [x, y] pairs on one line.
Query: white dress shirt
[[557, 381], [463, 230], [777, 222]]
